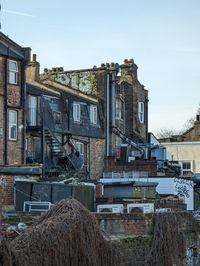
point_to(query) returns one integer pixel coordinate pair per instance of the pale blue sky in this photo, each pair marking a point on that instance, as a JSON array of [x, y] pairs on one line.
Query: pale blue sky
[[162, 36]]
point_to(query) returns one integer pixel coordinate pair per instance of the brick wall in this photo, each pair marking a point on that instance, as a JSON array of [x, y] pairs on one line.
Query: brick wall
[[2, 129], [98, 190], [95, 155], [124, 224], [2, 61], [97, 149], [15, 149], [112, 165], [134, 92], [7, 190]]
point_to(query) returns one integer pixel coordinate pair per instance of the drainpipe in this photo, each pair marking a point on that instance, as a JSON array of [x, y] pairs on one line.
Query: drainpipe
[[89, 155], [23, 108], [146, 117], [107, 114], [42, 136], [6, 111], [124, 114], [113, 99]]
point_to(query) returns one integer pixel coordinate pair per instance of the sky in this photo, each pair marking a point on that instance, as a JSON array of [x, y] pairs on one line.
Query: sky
[[162, 36]]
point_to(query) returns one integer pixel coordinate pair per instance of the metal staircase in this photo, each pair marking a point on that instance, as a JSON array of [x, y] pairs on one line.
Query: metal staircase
[[56, 148], [64, 159]]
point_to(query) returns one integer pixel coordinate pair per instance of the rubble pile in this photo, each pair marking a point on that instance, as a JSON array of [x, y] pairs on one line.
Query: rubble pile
[[67, 235]]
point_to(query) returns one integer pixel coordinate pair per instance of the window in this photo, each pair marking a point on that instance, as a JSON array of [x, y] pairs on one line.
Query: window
[[93, 114], [186, 167], [12, 125], [13, 72], [76, 112], [118, 109], [80, 147], [32, 110], [141, 112]]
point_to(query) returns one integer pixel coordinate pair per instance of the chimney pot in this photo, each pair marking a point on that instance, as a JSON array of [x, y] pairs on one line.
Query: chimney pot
[[34, 57]]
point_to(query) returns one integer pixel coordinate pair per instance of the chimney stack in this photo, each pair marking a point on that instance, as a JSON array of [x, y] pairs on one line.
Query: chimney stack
[[33, 70]]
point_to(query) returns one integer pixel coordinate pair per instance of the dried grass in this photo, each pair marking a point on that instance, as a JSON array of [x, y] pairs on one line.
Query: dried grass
[[67, 235]]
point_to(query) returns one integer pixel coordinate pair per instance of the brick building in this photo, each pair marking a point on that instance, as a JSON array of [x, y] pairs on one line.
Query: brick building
[[122, 102], [13, 59], [61, 122]]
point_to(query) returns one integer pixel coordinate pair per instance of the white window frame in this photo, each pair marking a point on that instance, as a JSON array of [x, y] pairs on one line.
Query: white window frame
[[141, 112], [12, 125], [191, 169], [80, 147], [93, 114], [77, 112], [32, 109], [13, 72]]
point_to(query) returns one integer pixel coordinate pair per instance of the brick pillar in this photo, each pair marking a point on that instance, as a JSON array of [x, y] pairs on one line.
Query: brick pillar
[[7, 190], [98, 190]]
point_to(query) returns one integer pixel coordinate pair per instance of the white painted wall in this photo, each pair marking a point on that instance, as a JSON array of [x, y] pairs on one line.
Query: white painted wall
[[166, 185], [185, 151]]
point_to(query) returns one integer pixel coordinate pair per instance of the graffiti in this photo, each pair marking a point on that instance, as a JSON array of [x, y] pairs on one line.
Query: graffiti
[[183, 182], [3, 183], [182, 186], [182, 190]]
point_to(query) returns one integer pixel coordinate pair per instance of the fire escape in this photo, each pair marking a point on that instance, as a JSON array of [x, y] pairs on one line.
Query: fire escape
[[57, 152]]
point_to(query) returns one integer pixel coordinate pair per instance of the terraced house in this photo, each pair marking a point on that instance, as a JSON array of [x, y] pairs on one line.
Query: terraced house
[[13, 59], [63, 129], [67, 123], [122, 102]]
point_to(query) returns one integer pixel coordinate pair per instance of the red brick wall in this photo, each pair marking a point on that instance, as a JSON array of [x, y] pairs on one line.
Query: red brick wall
[[98, 190], [2, 60], [150, 166], [128, 224], [15, 149], [2, 128], [7, 190]]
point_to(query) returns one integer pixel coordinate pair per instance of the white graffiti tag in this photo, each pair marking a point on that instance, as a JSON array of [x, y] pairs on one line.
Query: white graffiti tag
[[3, 183]]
